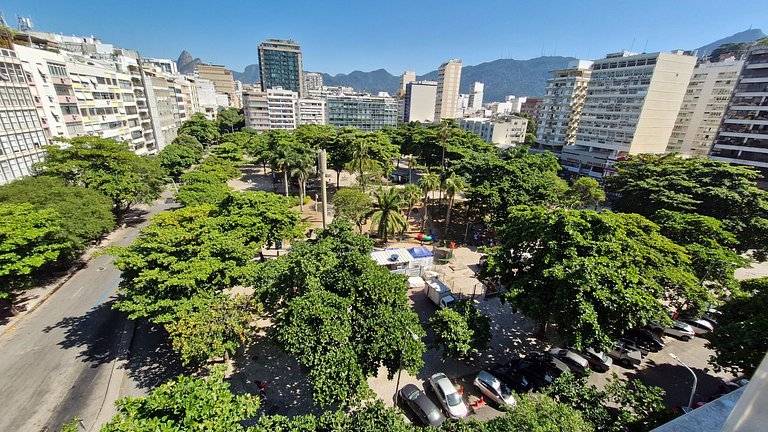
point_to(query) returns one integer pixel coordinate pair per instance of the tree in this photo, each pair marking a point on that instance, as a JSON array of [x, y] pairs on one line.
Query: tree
[[386, 217], [460, 329], [230, 119], [285, 153], [29, 240], [585, 192], [428, 183], [202, 129], [186, 404], [594, 275], [175, 159], [107, 166], [444, 130], [339, 151], [315, 136], [371, 152], [738, 340], [302, 169], [207, 184], [452, 185], [229, 151], [411, 194], [535, 412], [352, 206], [85, 214], [646, 184], [188, 141]]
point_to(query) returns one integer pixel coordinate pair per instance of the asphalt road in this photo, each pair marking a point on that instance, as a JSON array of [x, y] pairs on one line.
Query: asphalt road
[[56, 363]]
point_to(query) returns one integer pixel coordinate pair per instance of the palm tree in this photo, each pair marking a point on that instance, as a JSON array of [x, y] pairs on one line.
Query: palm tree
[[443, 133], [427, 184], [411, 165], [452, 185], [281, 160], [386, 217], [411, 194], [302, 169], [361, 158]]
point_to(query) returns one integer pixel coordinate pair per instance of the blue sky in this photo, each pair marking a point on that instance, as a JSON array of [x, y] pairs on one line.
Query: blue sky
[[342, 36]]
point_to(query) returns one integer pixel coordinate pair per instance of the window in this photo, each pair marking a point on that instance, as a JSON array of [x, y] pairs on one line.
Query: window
[[57, 70], [62, 90]]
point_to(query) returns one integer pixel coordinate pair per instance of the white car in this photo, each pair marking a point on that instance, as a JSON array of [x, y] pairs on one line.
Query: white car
[[448, 396], [492, 388], [678, 329], [700, 326]]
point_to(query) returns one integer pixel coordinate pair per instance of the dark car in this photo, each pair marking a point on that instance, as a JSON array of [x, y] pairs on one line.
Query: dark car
[[517, 381], [634, 346], [645, 339], [575, 361], [536, 373], [422, 406], [555, 366]]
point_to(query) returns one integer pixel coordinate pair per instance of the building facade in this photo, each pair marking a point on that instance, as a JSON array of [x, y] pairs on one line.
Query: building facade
[[743, 135], [222, 81], [312, 81], [503, 131], [532, 107], [562, 105], [448, 82], [311, 111], [631, 107], [405, 78], [703, 107], [280, 65], [419, 101], [476, 97], [256, 109], [367, 113]]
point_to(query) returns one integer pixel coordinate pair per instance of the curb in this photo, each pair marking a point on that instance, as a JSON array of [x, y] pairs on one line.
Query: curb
[[116, 375]]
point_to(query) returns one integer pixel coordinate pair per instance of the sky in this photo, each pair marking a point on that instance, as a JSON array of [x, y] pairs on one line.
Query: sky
[[340, 36]]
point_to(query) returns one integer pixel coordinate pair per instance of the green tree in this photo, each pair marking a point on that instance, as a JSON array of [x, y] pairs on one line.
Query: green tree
[[452, 185], [175, 159], [188, 141], [352, 206], [186, 404], [739, 341], [230, 119], [315, 136], [106, 166], [302, 169], [428, 183], [594, 275], [339, 151], [535, 412], [386, 217], [202, 129], [29, 239], [461, 329], [229, 151], [444, 130], [646, 184], [411, 195], [85, 214], [585, 192]]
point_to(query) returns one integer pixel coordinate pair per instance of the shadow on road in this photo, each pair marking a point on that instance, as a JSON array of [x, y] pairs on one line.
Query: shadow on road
[[152, 361], [96, 333], [677, 381], [134, 217]]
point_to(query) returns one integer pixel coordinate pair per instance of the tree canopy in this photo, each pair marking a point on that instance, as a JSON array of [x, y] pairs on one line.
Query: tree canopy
[[176, 158], [352, 206], [585, 192], [205, 131], [460, 329], [230, 120]]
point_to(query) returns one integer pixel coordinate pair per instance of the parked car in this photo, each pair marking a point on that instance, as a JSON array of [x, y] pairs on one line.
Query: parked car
[[536, 373], [494, 389], [700, 326], [448, 396], [645, 339], [421, 405], [624, 355], [678, 329], [598, 360], [517, 381], [630, 344], [578, 364]]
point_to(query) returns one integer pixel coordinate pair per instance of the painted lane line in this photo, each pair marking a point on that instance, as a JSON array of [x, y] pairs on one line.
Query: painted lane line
[[108, 290]]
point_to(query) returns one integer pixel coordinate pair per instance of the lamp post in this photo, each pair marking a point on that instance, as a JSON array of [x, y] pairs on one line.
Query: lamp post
[[695, 380], [704, 278], [400, 370]]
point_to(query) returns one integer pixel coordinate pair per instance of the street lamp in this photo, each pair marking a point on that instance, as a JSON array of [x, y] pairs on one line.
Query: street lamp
[[400, 370], [695, 380], [704, 278]]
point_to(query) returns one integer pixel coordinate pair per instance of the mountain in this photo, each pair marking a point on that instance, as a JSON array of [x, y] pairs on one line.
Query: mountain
[[249, 76], [750, 35], [373, 81], [186, 64]]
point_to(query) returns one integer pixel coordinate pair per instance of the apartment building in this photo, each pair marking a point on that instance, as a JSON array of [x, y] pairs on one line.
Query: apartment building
[[475, 102], [282, 108], [419, 101], [533, 108], [311, 111], [256, 109], [703, 107], [448, 82], [743, 135], [561, 106], [503, 131], [312, 81], [280, 65], [22, 135], [405, 78], [222, 81], [631, 107], [206, 96], [367, 113]]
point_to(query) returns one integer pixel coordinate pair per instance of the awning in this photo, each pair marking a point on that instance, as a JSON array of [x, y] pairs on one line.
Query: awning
[[391, 256], [420, 252]]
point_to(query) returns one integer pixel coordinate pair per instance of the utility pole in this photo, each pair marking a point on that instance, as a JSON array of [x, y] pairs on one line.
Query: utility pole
[[323, 192]]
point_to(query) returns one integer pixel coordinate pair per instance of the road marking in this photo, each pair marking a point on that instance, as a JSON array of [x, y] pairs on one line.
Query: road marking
[[78, 291], [109, 290]]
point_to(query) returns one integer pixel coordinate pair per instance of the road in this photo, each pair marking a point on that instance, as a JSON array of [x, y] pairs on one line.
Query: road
[[56, 364]]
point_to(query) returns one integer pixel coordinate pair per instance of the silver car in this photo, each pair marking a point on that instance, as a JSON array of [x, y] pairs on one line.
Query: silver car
[[624, 355], [576, 362], [448, 396], [492, 388]]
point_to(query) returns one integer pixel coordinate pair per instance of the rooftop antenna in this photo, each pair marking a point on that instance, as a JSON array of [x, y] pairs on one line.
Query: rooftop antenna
[[2, 20], [645, 46], [632, 45], [23, 23]]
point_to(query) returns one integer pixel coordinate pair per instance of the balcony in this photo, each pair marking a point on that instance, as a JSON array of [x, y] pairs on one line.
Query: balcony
[[66, 99], [72, 118]]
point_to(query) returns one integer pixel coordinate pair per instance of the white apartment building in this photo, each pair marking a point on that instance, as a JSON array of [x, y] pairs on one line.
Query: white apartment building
[[419, 101], [562, 106], [208, 104], [703, 107], [475, 102], [313, 81], [503, 131], [448, 82], [22, 135], [631, 107], [311, 111], [511, 105], [405, 78], [282, 108], [165, 65]]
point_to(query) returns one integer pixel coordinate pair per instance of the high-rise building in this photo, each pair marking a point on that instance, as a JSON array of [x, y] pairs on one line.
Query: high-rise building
[[282, 108], [206, 96], [280, 65], [504, 131], [743, 134], [562, 105], [311, 111], [448, 81], [419, 101], [476, 97], [22, 135], [532, 107], [367, 113], [222, 81], [703, 107], [405, 78], [256, 109], [312, 81], [631, 107]]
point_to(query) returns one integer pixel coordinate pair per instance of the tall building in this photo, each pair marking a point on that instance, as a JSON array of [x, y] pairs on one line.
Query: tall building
[[367, 113], [743, 134], [405, 78], [206, 96], [22, 135], [419, 101], [504, 131], [703, 107], [256, 109], [311, 111], [476, 97], [282, 108], [631, 107], [312, 81], [222, 81], [448, 81], [280, 65], [532, 107], [562, 105]]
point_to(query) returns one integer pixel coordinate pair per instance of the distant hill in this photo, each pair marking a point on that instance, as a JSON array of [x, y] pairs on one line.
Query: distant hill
[[249, 76], [750, 35], [186, 64]]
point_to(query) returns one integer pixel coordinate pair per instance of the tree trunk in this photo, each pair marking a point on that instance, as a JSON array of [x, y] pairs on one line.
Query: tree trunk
[[301, 195], [362, 177], [285, 180], [426, 209], [448, 215], [338, 175]]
